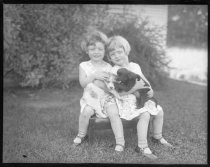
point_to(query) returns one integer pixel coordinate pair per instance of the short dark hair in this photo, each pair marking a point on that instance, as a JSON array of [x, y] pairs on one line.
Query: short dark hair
[[93, 37]]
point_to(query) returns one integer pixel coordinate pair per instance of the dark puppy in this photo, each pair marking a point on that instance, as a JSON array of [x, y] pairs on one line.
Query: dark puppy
[[126, 80]]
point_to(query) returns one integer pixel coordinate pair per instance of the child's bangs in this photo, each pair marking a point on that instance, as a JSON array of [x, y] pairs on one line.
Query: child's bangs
[[115, 45], [94, 40]]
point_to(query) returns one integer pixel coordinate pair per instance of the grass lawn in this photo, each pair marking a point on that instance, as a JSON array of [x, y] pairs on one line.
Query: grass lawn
[[40, 125]]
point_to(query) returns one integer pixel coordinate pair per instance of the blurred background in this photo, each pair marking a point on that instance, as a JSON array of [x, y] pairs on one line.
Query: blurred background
[[187, 42], [42, 41]]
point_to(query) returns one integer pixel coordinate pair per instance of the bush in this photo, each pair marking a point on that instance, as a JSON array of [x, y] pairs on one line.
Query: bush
[[42, 42], [188, 26], [46, 44]]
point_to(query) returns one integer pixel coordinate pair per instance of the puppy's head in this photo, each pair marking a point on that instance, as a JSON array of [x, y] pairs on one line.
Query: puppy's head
[[125, 80], [110, 81], [124, 75]]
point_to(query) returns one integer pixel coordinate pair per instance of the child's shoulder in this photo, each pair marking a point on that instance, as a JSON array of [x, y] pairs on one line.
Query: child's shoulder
[[106, 63], [135, 67], [134, 64], [114, 69], [107, 67], [84, 63]]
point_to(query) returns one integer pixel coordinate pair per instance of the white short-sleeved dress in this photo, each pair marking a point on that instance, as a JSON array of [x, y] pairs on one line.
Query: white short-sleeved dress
[[127, 106], [94, 96]]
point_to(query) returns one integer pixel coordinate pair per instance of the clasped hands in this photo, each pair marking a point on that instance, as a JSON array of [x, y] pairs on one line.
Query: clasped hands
[[101, 75]]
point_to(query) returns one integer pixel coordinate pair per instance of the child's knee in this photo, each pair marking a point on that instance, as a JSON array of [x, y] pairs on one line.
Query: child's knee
[[87, 112], [112, 111], [145, 116], [113, 115], [160, 114]]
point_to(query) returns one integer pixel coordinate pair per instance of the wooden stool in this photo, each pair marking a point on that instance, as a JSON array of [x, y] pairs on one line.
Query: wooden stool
[[104, 123]]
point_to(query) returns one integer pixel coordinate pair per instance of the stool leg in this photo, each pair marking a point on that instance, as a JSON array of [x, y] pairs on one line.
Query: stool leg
[[91, 130]]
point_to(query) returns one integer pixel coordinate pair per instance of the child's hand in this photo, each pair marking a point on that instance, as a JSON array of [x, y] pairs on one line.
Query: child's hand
[[118, 96], [140, 84], [100, 84], [101, 75], [123, 93], [115, 94], [150, 93]]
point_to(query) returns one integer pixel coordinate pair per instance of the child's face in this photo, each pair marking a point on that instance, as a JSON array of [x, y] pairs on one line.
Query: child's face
[[119, 57], [96, 51]]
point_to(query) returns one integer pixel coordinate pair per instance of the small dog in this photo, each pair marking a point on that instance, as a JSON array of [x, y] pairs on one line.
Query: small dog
[[94, 93], [110, 84], [125, 80]]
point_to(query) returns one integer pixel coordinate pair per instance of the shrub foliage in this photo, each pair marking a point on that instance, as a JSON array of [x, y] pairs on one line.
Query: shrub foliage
[[188, 26], [42, 42]]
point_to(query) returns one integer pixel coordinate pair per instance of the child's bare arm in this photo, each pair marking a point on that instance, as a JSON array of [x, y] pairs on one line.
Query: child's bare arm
[[150, 93], [103, 86], [145, 79], [137, 86], [100, 84], [84, 79], [140, 84]]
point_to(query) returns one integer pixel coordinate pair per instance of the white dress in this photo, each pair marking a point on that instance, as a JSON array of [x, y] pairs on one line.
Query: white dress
[[127, 105], [93, 95]]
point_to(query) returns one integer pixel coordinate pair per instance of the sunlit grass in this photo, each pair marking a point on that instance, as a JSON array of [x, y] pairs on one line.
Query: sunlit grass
[[39, 126]]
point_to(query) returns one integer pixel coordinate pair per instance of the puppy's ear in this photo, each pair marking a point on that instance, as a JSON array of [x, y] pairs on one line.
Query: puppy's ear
[[121, 71], [132, 76]]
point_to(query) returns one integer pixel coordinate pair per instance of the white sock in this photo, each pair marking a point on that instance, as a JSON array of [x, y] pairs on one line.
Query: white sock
[[142, 144], [163, 141], [158, 136], [147, 150]]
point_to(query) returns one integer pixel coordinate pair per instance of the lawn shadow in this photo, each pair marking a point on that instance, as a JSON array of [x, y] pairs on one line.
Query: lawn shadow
[[40, 125]]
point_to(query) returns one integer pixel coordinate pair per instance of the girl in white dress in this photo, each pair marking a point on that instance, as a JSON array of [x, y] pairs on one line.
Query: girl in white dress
[[92, 73], [127, 103], [119, 48]]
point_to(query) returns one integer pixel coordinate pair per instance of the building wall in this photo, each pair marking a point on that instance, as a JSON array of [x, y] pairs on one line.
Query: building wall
[[157, 14]]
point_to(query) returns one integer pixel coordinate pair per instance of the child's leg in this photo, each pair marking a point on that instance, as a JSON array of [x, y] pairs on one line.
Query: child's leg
[[83, 123], [117, 127], [142, 129], [157, 126]]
